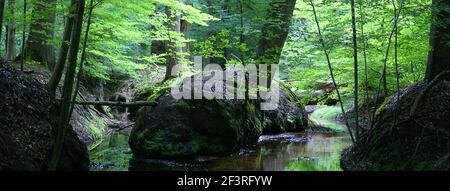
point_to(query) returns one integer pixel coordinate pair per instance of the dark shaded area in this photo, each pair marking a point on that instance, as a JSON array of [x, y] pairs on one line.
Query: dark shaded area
[[27, 127], [399, 141], [439, 57]]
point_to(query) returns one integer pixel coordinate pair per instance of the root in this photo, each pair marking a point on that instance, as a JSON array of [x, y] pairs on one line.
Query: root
[[425, 91]]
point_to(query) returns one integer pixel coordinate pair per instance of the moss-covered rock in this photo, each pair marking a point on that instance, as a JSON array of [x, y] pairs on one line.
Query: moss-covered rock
[[399, 141], [149, 93], [185, 128], [189, 128], [290, 116]]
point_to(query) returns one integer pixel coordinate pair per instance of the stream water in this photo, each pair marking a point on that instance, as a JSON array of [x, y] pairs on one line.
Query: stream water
[[284, 152]]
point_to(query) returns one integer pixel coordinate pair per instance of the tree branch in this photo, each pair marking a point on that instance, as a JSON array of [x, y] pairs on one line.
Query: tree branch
[[117, 104]]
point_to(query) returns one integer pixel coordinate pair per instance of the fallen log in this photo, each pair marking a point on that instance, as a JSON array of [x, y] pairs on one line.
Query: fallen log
[[117, 104]]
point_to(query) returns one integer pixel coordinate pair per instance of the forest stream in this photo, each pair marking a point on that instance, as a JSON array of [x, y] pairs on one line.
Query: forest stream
[[308, 151], [224, 85]]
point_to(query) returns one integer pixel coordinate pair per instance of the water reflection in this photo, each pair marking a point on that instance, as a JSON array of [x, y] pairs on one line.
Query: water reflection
[[285, 152], [292, 152]]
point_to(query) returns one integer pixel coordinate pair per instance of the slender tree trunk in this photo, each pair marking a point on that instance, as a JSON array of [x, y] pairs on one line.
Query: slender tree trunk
[[241, 29], [59, 67], [184, 28], [355, 60], [439, 55], [2, 10], [324, 47], [101, 90], [366, 71], [63, 120], [22, 59], [173, 50], [397, 77], [41, 30], [383, 75], [385, 86], [83, 56], [11, 47], [6, 39]]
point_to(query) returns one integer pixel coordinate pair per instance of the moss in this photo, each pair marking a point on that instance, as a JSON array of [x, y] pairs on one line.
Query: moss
[[253, 118], [94, 131], [111, 157], [151, 93], [96, 127], [201, 127], [161, 146], [182, 106], [383, 105]]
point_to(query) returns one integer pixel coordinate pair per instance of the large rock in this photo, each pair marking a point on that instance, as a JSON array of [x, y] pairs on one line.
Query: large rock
[[194, 127], [399, 141], [290, 115], [189, 128], [26, 127]]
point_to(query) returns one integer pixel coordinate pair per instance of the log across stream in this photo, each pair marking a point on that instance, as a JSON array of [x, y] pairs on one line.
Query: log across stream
[[284, 152]]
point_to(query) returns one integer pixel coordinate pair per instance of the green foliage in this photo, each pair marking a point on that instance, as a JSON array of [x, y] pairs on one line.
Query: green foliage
[[236, 35], [112, 154], [190, 13], [303, 58], [214, 46], [119, 42]]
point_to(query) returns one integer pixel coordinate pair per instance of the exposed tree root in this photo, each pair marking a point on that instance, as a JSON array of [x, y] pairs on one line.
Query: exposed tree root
[[425, 91]]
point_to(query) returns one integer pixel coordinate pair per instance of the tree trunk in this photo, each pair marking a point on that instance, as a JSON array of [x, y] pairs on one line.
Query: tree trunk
[[385, 86], [172, 59], [439, 57], [6, 39], [2, 9], [366, 71], [324, 48], [63, 120], [42, 30], [59, 67], [83, 56], [274, 35], [101, 90], [355, 60], [397, 74], [184, 28], [22, 57], [386, 57], [11, 47], [241, 28]]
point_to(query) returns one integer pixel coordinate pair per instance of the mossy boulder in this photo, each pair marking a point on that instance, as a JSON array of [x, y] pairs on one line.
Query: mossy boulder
[[185, 128], [399, 141], [149, 93], [290, 115], [189, 128]]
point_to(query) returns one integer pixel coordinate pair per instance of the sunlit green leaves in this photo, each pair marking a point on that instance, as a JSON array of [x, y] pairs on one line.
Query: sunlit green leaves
[[304, 61]]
